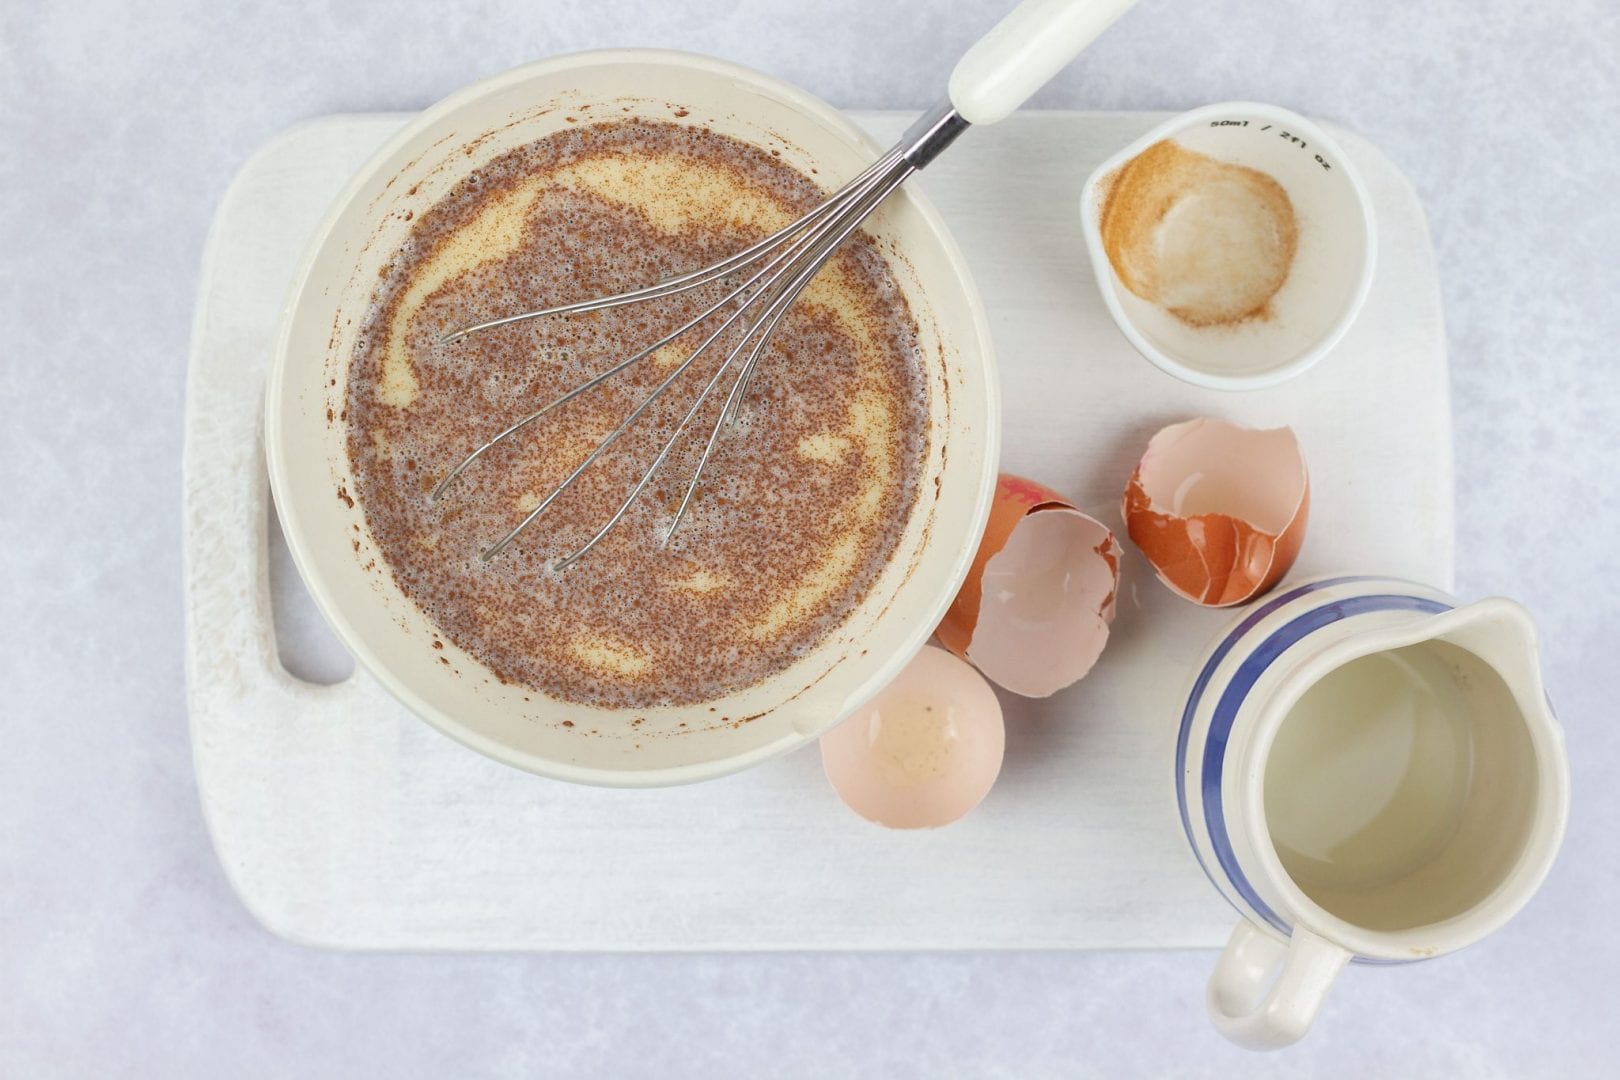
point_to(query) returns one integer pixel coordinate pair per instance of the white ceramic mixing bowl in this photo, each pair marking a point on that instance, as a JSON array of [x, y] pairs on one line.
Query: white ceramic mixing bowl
[[309, 463]]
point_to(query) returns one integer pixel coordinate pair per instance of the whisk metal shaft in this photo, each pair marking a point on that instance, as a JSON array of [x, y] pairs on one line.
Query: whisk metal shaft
[[790, 258]]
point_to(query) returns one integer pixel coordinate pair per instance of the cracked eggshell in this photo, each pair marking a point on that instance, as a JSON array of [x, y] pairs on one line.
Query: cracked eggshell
[[1218, 509], [1034, 610]]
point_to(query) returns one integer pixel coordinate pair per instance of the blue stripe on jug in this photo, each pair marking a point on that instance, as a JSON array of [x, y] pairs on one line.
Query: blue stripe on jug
[[1231, 701], [1253, 619]]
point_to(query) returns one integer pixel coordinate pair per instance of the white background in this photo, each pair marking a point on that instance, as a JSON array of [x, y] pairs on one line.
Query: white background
[[122, 949]]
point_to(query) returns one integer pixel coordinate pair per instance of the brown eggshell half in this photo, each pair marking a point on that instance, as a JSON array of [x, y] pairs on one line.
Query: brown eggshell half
[[1218, 509], [1034, 611]]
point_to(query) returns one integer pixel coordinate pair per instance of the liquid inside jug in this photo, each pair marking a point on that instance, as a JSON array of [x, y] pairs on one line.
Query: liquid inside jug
[[1399, 788]]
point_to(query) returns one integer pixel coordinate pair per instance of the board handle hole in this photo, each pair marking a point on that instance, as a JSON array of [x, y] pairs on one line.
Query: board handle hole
[[306, 646]]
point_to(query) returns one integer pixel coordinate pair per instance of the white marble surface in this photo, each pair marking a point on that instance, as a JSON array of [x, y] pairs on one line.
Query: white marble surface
[[122, 950]]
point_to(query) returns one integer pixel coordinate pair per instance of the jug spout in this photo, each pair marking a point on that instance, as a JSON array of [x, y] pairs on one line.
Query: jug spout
[[1501, 633]]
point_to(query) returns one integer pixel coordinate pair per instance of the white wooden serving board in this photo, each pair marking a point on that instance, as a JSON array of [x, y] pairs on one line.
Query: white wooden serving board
[[343, 821]]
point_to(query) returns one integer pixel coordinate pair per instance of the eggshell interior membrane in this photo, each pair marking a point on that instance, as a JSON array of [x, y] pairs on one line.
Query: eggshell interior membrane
[[1034, 610], [1015, 498], [1218, 509], [924, 751], [1046, 602]]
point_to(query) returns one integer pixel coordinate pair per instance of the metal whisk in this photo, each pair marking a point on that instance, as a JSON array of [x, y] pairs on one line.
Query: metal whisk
[[1020, 54], [778, 268]]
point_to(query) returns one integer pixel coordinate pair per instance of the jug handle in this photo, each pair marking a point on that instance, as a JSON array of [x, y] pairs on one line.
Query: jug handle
[[1309, 962]]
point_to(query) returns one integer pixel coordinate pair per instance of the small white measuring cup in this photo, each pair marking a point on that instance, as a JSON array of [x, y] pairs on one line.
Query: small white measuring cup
[[1327, 282]]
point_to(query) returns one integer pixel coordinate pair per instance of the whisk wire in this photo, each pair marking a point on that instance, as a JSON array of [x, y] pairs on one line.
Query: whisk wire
[[856, 188], [791, 256], [598, 379], [778, 310], [693, 279], [803, 267]]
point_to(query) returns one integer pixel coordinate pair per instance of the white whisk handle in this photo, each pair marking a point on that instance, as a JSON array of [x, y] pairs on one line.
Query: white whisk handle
[[1020, 55]]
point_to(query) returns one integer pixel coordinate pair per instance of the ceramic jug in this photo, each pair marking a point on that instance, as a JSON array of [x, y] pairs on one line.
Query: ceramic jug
[[1369, 772]]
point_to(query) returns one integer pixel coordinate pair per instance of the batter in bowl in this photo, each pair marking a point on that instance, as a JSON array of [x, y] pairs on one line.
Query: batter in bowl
[[801, 507]]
